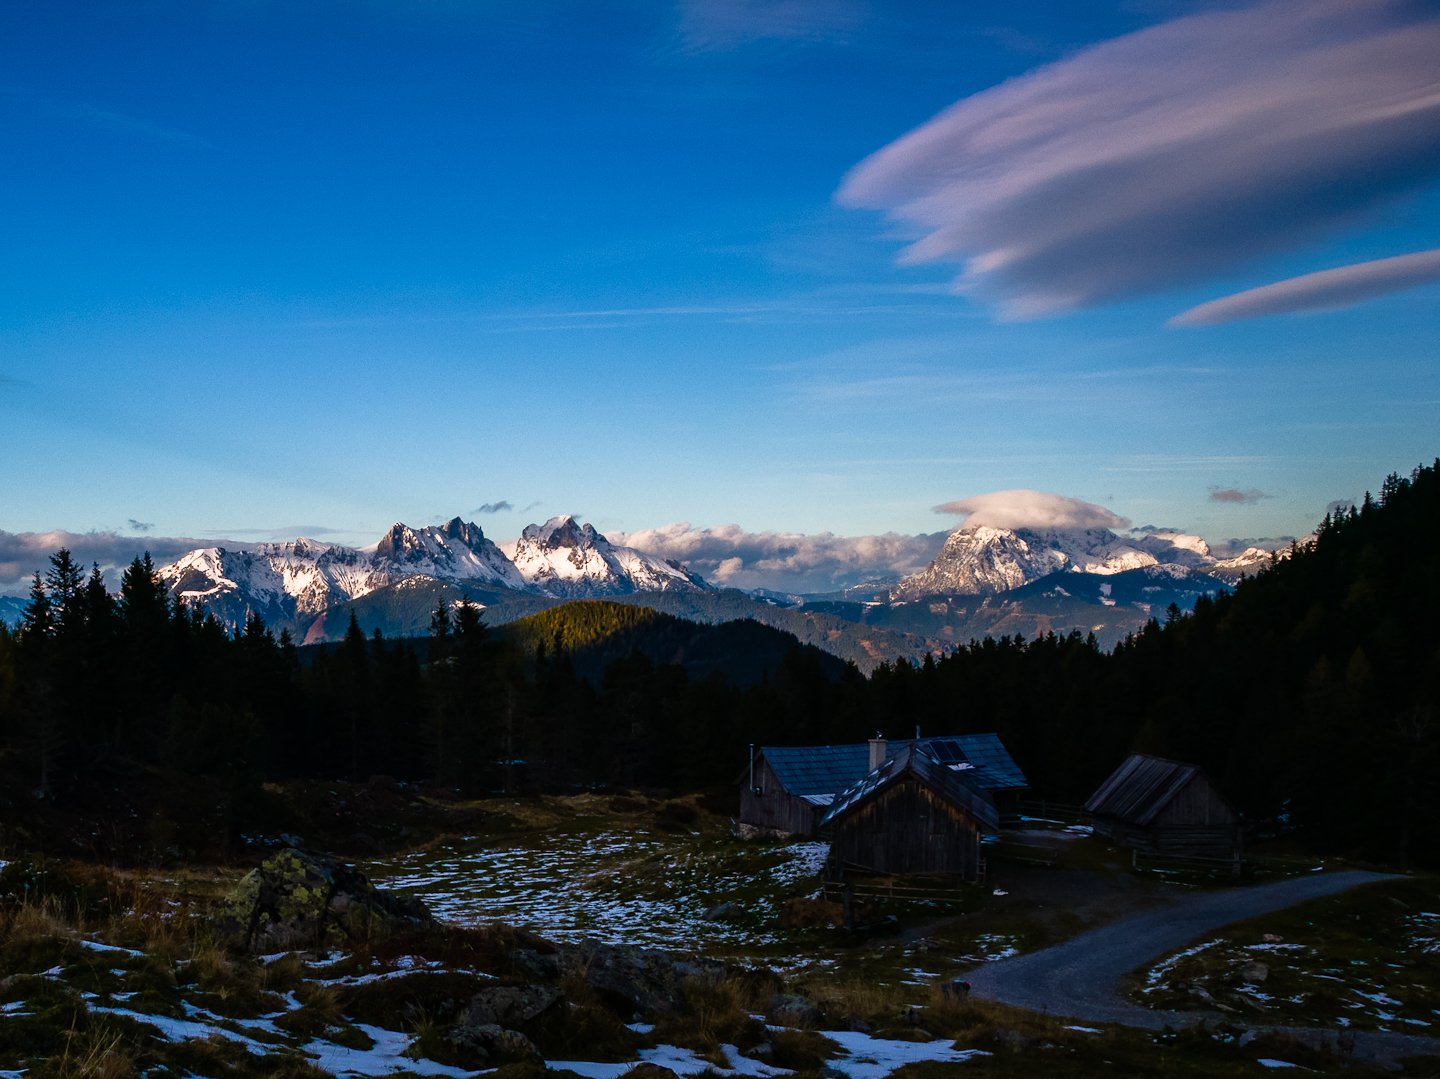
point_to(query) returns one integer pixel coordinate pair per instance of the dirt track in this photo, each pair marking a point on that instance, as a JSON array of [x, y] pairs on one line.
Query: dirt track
[[1080, 978]]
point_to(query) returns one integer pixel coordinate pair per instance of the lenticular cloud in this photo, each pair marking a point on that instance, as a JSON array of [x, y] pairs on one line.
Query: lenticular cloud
[[1170, 154], [1326, 290], [1032, 509]]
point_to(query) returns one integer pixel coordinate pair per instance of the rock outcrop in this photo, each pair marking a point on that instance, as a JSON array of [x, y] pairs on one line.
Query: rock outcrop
[[295, 899]]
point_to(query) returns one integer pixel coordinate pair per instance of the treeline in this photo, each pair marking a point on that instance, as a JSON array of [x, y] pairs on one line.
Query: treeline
[[1309, 693], [90, 681]]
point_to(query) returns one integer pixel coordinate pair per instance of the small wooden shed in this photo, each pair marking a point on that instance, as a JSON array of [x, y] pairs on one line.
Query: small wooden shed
[[913, 814], [1165, 807], [789, 788]]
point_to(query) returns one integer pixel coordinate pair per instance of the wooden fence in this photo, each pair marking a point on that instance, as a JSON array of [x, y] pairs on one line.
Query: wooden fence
[[1161, 861], [1034, 811]]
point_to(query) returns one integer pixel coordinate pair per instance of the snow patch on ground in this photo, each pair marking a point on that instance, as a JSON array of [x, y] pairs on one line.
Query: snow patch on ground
[[570, 891]]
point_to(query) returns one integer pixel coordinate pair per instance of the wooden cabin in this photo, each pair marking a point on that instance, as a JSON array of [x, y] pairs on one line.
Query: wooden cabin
[[789, 788], [911, 815], [1165, 807]]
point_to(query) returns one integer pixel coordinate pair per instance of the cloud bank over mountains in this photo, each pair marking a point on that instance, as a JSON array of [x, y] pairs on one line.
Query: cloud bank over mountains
[[1172, 154], [728, 556], [725, 555], [22, 554]]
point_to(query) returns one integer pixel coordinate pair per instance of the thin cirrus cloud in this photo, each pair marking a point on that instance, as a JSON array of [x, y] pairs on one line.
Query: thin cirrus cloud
[[1170, 154], [493, 507], [1326, 290], [1031, 509], [727, 555], [708, 25]]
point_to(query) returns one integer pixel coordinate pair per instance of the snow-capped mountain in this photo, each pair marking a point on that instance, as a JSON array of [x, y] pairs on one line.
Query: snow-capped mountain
[[277, 581], [296, 582], [455, 551], [565, 558], [981, 559]]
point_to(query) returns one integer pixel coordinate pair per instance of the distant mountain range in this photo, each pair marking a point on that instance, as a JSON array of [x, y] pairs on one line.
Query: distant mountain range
[[985, 581], [298, 584]]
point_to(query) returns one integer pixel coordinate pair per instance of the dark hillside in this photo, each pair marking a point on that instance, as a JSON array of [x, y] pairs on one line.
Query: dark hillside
[[596, 633]]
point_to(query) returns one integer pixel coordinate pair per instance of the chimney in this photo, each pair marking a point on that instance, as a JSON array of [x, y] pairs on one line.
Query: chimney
[[877, 751]]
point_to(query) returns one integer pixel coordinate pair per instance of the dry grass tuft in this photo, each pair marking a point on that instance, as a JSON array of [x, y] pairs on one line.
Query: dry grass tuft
[[35, 919], [715, 1012], [95, 1053], [858, 998]]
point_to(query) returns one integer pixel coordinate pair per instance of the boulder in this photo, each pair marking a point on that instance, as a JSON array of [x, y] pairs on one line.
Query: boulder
[[1255, 972], [300, 900], [647, 1070], [724, 912], [647, 983], [509, 1005], [490, 1043], [790, 1010]]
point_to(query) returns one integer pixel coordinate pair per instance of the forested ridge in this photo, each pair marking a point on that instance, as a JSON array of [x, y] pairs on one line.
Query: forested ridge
[[1309, 694]]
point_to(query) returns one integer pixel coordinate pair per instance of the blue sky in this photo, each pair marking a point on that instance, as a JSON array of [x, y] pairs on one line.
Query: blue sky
[[798, 266]]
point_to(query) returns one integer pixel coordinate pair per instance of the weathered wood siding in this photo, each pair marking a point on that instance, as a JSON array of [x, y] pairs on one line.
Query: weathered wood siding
[[1197, 804], [773, 806], [907, 828], [1196, 822]]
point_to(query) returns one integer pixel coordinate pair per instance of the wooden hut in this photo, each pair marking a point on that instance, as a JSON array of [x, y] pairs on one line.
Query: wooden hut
[[789, 788], [1165, 807], [912, 814]]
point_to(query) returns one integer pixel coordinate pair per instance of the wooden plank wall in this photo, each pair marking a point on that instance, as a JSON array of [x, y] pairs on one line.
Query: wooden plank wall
[[774, 807], [907, 828], [1196, 804]]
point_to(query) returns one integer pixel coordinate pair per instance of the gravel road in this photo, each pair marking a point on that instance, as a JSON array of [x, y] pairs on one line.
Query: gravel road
[[1080, 977]]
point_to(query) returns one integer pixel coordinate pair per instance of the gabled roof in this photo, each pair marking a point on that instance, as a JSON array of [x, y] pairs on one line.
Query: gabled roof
[[813, 770], [810, 771], [994, 768], [1140, 788], [957, 788]]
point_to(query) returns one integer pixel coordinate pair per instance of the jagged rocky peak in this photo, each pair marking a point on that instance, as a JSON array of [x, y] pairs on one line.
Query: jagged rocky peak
[[562, 532], [466, 532], [405, 544]]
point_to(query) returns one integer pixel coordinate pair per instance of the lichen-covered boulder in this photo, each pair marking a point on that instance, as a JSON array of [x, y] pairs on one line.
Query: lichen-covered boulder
[[300, 900]]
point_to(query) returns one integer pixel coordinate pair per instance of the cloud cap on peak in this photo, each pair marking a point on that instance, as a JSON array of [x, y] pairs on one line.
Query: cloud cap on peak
[[1031, 509], [1169, 154]]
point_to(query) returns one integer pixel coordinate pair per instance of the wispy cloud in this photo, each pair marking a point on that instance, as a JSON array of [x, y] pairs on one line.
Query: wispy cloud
[[1326, 290], [1170, 154], [786, 561], [139, 526], [493, 507], [708, 25], [1031, 509], [107, 119], [1235, 496], [283, 533]]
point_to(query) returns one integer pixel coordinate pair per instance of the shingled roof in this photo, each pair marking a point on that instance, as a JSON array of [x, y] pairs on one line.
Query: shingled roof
[[818, 773], [1140, 788], [956, 787]]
